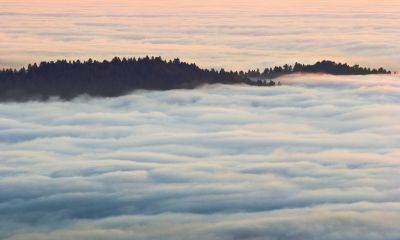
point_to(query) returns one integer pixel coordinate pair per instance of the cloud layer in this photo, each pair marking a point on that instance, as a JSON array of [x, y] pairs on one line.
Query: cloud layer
[[232, 34], [316, 158]]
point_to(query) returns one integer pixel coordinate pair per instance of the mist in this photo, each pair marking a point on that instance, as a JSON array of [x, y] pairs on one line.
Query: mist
[[232, 34], [315, 158]]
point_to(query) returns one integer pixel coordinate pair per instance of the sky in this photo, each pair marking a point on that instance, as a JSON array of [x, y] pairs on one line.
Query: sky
[[316, 158], [233, 34]]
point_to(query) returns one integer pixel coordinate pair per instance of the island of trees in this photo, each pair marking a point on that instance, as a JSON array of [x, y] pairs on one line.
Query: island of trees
[[68, 79]]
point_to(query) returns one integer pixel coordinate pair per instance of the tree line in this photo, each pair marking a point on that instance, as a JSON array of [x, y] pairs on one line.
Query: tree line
[[68, 79]]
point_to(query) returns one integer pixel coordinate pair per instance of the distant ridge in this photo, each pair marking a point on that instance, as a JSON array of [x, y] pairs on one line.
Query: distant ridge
[[68, 79]]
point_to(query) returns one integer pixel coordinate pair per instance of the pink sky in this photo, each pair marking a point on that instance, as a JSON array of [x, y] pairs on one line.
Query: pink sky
[[231, 34]]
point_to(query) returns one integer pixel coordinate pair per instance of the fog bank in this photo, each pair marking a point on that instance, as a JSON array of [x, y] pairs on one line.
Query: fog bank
[[316, 158]]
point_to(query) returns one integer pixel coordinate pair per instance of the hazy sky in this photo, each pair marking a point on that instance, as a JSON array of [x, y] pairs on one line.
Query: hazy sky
[[232, 34]]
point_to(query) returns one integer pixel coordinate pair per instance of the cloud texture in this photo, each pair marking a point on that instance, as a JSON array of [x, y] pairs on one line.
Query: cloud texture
[[234, 34], [317, 158]]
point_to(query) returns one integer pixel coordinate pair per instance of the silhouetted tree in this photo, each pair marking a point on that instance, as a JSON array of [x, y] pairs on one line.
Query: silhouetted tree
[[68, 79]]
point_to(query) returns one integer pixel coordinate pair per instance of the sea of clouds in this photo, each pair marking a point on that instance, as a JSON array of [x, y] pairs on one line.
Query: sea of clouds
[[316, 158], [233, 34]]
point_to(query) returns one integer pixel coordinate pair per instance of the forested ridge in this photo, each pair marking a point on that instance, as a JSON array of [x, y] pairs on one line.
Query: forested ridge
[[68, 79]]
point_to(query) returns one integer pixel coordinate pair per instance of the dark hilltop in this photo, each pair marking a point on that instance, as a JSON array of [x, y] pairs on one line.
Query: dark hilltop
[[69, 79]]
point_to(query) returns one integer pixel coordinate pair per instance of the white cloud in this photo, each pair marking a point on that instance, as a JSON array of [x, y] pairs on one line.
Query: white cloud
[[316, 158]]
